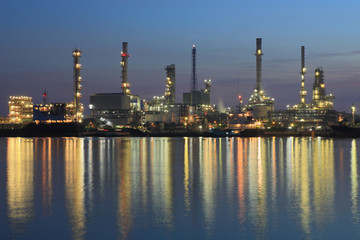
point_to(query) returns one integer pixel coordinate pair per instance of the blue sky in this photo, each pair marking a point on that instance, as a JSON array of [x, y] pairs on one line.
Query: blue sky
[[38, 37]]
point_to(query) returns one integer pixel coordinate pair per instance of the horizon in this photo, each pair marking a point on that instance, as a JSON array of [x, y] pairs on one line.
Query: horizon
[[39, 38]]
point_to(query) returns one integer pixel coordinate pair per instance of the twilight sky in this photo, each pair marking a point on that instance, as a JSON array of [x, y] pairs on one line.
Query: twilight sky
[[37, 38]]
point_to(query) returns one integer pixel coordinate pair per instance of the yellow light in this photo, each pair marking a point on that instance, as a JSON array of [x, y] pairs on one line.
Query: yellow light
[[259, 52]]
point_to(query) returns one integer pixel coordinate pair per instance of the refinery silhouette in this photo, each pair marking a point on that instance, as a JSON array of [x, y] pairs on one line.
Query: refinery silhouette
[[124, 113]]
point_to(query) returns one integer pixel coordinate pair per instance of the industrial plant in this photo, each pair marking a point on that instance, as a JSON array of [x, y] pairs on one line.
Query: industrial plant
[[260, 104], [46, 119], [318, 114], [124, 113]]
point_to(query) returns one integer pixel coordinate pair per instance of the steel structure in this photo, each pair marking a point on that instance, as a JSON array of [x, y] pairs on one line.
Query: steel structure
[[320, 100], [305, 117], [77, 86], [170, 84], [20, 109], [193, 83], [125, 86], [207, 83], [44, 96], [303, 72]]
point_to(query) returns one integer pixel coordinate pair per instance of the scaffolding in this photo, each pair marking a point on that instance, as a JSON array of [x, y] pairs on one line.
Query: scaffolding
[[170, 84]]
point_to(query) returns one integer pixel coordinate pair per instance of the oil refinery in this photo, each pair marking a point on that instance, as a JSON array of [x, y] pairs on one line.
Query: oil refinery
[[124, 113]]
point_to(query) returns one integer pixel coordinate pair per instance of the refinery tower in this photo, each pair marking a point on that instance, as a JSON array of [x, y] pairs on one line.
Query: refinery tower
[[125, 86], [196, 97], [259, 103], [78, 114]]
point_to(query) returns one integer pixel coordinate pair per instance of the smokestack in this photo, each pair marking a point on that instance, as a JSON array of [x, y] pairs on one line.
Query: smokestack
[[302, 59], [193, 84], [77, 85], [125, 86], [258, 55], [302, 72]]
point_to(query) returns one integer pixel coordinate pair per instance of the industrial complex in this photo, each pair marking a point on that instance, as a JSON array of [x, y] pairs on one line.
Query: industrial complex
[[162, 115]]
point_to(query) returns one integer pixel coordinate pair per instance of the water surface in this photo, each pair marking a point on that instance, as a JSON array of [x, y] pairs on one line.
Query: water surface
[[179, 188]]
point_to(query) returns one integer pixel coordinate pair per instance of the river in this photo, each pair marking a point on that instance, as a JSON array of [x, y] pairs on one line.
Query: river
[[179, 188]]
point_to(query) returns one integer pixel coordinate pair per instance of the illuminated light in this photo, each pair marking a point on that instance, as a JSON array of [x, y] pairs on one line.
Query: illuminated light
[[259, 52], [193, 45], [323, 85], [317, 73], [304, 70]]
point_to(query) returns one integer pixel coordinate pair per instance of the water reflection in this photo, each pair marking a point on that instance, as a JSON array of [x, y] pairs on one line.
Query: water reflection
[[74, 185], [161, 181], [124, 212], [20, 183], [187, 172], [323, 180], [46, 179], [241, 178], [210, 162], [244, 187], [354, 183]]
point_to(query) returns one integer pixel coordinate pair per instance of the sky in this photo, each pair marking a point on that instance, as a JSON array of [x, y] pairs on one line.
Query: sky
[[37, 38]]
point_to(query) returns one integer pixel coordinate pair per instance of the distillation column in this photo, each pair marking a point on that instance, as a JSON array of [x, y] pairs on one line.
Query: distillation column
[[170, 84], [193, 86], [77, 85], [125, 86], [303, 71], [258, 55], [207, 83]]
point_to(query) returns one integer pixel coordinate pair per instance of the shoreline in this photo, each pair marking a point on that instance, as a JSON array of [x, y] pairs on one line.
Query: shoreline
[[78, 130]]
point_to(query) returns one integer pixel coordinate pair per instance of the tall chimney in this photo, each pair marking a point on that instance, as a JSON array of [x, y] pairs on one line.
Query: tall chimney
[[125, 86], [258, 55], [193, 86]]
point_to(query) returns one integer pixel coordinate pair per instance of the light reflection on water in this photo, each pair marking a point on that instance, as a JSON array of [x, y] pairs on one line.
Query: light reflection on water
[[176, 188], [20, 183]]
